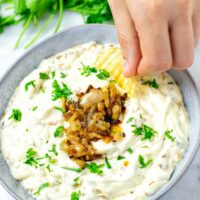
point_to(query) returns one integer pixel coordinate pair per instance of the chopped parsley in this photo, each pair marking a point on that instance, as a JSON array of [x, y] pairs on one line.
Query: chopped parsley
[[53, 74], [94, 168], [59, 131], [144, 164], [44, 76], [59, 92], [75, 195], [87, 70], [120, 157], [103, 74], [76, 181], [100, 74], [112, 81], [63, 110], [130, 150], [41, 187], [31, 83], [42, 89], [145, 131], [169, 136], [30, 157], [130, 119], [16, 115], [62, 75], [52, 161], [78, 170], [47, 156], [53, 150], [49, 168], [34, 108], [108, 163], [151, 83]]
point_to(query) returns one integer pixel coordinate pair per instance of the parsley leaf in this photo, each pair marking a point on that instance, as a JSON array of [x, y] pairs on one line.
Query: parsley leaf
[[108, 163], [53, 74], [16, 115], [59, 131], [34, 108], [49, 168], [42, 90], [30, 157], [146, 131], [30, 83], [87, 70], [44, 76], [130, 150], [169, 136], [76, 181], [144, 164], [103, 74], [78, 170], [62, 75], [59, 92], [130, 120], [120, 157], [53, 150], [63, 110], [75, 195], [151, 83], [41, 187], [94, 168]]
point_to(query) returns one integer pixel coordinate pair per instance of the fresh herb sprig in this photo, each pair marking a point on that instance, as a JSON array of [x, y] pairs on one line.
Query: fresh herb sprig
[[16, 115], [53, 150], [75, 195], [41, 187], [31, 158], [147, 132], [93, 11], [59, 92], [94, 168], [152, 83], [142, 162], [78, 170], [43, 76], [63, 110], [108, 165], [59, 131], [169, 136], [30, 83], [87, 70]]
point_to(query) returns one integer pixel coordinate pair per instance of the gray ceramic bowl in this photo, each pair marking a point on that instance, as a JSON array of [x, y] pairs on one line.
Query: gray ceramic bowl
[[70, 38]]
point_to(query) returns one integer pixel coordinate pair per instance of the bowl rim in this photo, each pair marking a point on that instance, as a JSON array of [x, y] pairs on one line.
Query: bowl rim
[[164, 189]]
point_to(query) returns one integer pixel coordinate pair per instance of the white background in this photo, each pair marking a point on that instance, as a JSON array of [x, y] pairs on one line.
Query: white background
[[188, 188]]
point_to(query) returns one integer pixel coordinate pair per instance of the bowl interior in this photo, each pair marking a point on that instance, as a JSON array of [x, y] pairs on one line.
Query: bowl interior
[[68, 39]]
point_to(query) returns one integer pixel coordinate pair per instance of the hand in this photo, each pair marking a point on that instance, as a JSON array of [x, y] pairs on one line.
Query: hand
[[156, 35]]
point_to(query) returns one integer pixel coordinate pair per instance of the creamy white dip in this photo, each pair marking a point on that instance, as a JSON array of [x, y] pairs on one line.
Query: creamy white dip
[[161, 109]]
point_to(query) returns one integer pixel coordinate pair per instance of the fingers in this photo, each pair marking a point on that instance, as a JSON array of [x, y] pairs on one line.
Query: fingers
[[182, 42], [196, 27], [154, 37], [127, 35]]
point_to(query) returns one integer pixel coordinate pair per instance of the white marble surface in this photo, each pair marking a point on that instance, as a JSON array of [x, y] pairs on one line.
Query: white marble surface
[[188, 188]]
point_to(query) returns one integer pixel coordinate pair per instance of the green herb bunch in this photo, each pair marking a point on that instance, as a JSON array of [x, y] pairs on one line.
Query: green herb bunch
[[30, 11]]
